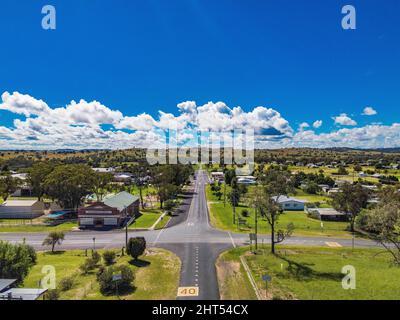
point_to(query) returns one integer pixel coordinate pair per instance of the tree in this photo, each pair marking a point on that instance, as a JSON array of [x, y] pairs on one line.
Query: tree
[[37, 177], [350, 199], [342, 171], [234, 197], [70, 183], [136, 247], [101, 182], [53, 238], [275, 183], [383, 225], [312, 188], [8, 185], [16, 260]]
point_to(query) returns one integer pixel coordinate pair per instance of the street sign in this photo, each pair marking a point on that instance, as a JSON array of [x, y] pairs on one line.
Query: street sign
[[266, 277]]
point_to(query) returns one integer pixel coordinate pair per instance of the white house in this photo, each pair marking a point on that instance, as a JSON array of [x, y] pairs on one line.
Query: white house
[[22, 209], [246, 179], [290, 204], [217, 176]]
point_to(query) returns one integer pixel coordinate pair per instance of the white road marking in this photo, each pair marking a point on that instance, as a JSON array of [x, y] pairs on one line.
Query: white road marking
[[233, 242]]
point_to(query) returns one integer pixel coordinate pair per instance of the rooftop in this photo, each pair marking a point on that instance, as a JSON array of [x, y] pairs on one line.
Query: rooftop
[[5, 283], [285, 199], [121, 200], [19, 203]]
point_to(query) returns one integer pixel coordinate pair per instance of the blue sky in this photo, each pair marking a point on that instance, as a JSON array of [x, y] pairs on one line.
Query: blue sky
[[146, 56]]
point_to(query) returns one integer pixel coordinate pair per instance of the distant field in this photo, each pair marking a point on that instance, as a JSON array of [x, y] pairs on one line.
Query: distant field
[[311, 273], [156, 277]]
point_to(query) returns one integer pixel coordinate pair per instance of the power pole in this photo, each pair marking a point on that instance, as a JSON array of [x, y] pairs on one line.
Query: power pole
[[256, 225], [126, 228]]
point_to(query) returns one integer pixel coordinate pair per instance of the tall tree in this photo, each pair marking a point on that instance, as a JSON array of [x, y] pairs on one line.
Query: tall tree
[[69, 184], [275, 184], [37, 177], [351, 199], [8, 185], [383, 225], [101, 181]]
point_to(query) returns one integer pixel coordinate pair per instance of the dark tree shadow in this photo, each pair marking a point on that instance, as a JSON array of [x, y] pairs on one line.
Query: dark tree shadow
[[139, 263], [56, 252], [305, 272]]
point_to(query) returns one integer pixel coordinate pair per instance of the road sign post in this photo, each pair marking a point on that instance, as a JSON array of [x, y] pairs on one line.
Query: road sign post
[[267, 279]]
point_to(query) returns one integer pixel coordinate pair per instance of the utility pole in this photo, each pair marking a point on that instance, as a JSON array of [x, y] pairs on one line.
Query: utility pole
[[256, 225], [126, 227]]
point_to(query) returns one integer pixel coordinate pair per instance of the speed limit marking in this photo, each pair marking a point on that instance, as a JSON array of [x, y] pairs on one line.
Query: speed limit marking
[[188, 292]]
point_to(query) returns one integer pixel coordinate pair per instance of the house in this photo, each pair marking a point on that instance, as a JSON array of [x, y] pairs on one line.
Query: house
[[324, 187], [22, 209], [333, 191], [290, 204], [217, 177], [363, 175], [123, 177], [104, 170], [327, 214], [8, 292], [246, 180], [111, 212]]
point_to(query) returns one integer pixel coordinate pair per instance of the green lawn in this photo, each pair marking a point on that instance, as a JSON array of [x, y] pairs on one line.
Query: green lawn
[[146, 219], [156, 278], [315, 273], [222, 218], [27, 227]]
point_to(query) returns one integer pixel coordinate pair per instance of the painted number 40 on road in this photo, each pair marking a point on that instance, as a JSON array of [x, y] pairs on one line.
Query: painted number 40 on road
[[188, 291]]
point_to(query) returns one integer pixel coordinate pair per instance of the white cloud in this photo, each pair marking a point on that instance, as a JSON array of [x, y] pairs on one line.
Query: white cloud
[[369, 111], [303, 125], [23, 104], [344, 120], [317, 124], [79, 125]]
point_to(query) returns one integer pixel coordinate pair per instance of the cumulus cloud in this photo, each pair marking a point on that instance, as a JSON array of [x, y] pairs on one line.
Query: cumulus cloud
[[369, 111], [23, 104], [81, 125], [303, 125], [344, 120], [317, 124]]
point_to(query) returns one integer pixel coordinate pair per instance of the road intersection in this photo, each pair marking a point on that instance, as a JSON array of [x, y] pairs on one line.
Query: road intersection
[[189, 235]]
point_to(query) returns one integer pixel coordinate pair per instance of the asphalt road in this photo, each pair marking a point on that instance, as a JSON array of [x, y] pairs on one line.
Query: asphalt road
[[188, 234]]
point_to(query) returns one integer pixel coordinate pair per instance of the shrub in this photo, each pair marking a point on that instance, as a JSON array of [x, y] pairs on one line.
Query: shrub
[[136, 247], [96, 257], [109, 257], [109, 286], [88, 265], [66, 283], [245, 213], [53, 294]]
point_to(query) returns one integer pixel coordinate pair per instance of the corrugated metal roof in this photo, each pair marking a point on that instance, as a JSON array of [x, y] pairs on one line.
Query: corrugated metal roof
[[19, 203], [5, 283], [286, 199], [121, 200]]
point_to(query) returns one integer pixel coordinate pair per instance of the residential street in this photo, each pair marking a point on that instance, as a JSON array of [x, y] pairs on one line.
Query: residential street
[[189, 235]]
